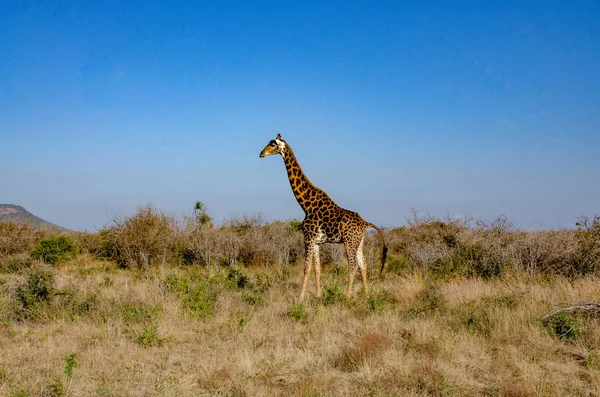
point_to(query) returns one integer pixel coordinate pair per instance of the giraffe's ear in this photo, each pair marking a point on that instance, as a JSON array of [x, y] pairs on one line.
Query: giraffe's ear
[[278, 136]]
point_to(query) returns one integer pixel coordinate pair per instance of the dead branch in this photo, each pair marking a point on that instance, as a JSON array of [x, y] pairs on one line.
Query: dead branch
[[588, 306]]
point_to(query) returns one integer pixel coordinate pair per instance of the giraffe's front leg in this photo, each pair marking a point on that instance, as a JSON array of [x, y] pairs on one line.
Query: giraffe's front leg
[[310, 249], [352, 264]]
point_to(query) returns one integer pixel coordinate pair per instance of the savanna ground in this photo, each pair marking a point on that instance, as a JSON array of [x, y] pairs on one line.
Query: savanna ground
[[154, 305]]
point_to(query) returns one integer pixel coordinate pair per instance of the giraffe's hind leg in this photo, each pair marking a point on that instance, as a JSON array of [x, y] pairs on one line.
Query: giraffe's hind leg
[[360, 258], [317, 264]]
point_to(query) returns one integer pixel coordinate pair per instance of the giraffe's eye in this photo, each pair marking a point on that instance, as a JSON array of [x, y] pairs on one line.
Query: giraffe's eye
[[273, 143]]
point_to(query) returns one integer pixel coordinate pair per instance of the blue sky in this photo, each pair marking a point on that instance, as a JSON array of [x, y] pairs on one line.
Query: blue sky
[[450, 108]]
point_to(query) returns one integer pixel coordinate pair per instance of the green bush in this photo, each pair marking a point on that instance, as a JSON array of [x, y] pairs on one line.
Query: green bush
[[333, 295], [564, 325], [55, 389], [73, 304], [238, 278], [149, 337], [70, 363], [35, 292], [52, 250], [298, 312], [103, 245], [253, 298], [199, 301], [477, 320], [397, 265], [378, 302], [198, 296], [430, 300]]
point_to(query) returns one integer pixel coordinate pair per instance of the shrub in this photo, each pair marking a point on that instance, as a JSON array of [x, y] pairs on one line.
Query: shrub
[[202, 243], [73, 304], [333, 295], [199, 301], [430, 300], [149, 337], [398, 265], [198, 296], [298, 312], [564, 325], [52, 250], [35, 292], [238, 279], [477, 320], [381, 300], [588, 236], [55, 389], [142, 240], [70, 363], [17, 238], [102, 244], [253, 242], [253, 298]]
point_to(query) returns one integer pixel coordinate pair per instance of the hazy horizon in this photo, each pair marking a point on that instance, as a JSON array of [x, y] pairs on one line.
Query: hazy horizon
[[483, 110]]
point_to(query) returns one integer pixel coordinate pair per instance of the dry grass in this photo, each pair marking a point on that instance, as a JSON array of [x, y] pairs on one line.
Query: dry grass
[[138, 336]]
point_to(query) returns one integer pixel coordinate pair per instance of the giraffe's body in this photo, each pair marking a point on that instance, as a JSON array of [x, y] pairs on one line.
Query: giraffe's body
[[324, 222]]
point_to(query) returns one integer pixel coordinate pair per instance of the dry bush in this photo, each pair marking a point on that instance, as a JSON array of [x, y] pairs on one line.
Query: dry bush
[[588, 235], [284, 241], [333, 255], [202, 243], [17, 238], [253, 242], [147, 238], [364, 352], [547, 252], [489, 249]]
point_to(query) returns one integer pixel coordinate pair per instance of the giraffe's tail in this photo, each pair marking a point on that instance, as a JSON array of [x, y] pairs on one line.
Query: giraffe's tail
[[385, 248]]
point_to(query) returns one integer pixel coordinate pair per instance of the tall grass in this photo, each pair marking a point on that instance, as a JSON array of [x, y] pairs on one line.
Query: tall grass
[[215, 331]]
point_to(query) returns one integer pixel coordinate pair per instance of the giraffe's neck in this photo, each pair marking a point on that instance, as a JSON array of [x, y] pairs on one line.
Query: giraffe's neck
[[307, 194]]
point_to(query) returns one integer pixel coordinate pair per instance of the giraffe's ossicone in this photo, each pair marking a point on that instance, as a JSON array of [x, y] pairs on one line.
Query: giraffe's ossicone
[[324, 222]]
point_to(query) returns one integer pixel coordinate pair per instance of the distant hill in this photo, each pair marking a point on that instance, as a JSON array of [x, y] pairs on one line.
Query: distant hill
[[16, 213]]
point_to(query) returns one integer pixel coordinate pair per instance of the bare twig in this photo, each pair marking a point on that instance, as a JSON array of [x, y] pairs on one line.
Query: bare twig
[[588, 306]]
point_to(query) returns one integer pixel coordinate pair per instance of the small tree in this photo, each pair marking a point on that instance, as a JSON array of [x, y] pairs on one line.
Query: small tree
[[200, 212]]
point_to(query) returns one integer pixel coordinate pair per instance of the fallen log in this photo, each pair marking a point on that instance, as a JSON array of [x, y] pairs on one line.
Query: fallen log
[[588, 306]]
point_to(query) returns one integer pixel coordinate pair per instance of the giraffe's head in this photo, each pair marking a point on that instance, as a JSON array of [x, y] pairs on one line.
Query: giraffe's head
[[274, 146]]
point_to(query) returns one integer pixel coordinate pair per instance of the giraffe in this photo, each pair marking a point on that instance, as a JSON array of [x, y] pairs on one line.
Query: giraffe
[[324, 222]]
